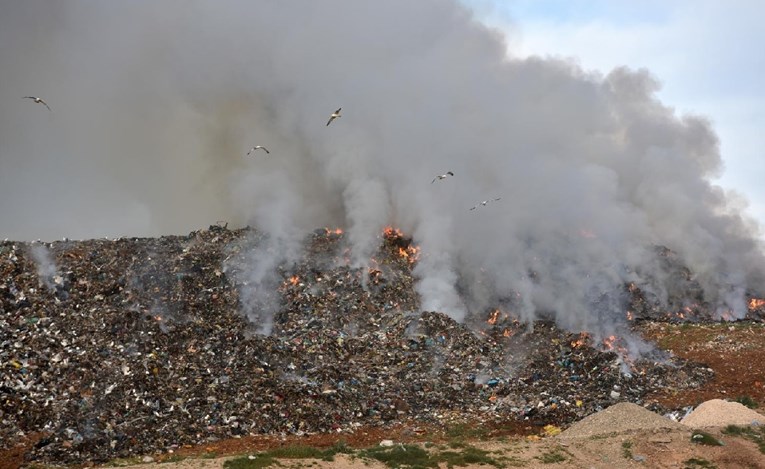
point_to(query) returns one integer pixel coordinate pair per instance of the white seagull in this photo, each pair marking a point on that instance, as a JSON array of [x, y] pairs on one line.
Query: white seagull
[[258, 147], [334, 116], [443, 176], [38, 101], [484, 202]]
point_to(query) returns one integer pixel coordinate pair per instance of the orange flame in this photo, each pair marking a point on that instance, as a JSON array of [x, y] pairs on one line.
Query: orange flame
[[507, 333], [493, 317], [294, 280], [584, 337], [609, 342], [411, 253], [617, 345], [336, 231], [756, 303], [390, 232]]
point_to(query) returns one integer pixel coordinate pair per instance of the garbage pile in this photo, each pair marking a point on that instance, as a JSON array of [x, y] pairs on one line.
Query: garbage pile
[[684, 296], [116, 348]]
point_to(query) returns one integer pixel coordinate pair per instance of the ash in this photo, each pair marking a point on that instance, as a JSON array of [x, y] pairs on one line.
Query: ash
[[143, 347]]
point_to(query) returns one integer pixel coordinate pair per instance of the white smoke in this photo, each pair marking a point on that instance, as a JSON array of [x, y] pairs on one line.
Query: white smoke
[[158, 102], [47, 273]]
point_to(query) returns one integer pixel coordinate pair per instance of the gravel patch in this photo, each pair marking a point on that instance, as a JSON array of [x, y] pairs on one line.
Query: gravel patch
[[619, 418], [719, 413]]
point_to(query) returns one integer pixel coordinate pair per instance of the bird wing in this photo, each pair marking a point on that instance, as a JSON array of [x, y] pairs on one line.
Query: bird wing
[[331, 118], [450, 173], [46, 105], [28, 97], [266, 149], [434, 180], [338, 110]]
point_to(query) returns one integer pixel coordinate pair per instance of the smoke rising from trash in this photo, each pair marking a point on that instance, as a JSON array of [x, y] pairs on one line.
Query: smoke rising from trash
[[46, 266], [155, 106]]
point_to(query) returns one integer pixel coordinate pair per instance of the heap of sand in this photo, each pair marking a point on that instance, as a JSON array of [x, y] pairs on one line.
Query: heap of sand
[[719, 413], [620, 418]]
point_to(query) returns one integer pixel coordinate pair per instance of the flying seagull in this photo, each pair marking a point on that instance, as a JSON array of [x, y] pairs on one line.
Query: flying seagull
[[484, 202], [258, 147], [443, 176], [334, 116], [38, 101]]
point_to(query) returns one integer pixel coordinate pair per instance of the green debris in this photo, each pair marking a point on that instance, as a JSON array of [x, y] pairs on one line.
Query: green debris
[[755, 435], [694, 463], [627, 449], [704, 438]]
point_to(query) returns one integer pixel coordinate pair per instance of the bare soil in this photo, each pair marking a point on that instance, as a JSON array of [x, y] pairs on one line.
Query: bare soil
[[735, 351], [654, 449]]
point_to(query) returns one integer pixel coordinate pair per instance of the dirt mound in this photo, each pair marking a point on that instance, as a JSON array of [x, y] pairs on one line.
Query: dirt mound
[[719, 413], [622, 417]]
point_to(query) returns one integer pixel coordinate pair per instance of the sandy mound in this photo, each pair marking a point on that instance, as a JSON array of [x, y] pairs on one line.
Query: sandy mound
[[619, 418], [719, 413]]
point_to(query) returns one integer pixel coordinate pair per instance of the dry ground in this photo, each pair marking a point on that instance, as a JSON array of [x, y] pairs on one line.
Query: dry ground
[[664, 449]]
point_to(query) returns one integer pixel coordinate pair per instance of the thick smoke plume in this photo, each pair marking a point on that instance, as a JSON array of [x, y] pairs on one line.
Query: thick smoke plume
[[156, 103]]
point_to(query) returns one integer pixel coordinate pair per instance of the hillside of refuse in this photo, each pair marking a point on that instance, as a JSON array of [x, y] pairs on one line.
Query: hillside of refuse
[[119, 347]]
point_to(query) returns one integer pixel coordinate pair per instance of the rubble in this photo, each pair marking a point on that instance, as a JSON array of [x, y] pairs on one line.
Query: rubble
[[137, 346]]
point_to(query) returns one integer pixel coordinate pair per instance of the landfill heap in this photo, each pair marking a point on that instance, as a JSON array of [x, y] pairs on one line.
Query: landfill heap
[[116, 348]]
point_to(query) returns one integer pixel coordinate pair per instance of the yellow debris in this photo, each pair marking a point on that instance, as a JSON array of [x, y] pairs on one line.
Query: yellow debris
[[551, 430]]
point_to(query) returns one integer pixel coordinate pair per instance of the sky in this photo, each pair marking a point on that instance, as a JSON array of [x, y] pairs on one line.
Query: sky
[[706, 54]]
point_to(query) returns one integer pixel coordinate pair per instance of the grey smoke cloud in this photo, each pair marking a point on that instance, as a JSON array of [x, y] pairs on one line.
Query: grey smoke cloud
[[155, 105]]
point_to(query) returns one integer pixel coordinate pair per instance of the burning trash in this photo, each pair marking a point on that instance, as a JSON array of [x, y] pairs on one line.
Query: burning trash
[[129, 356]]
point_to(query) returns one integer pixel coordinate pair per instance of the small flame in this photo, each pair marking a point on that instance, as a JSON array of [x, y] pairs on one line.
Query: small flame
[[493, 317], [685, 312], [617, 345], [756, 303], [390, 232], [411, 253], [336, 231], [294, 280], [584, 337], [609, 342], [507, 333]]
